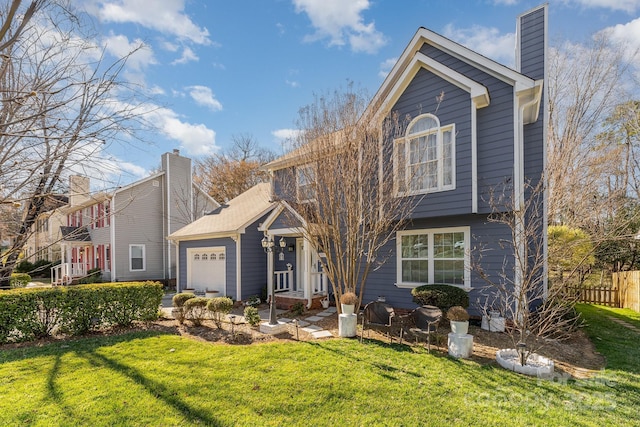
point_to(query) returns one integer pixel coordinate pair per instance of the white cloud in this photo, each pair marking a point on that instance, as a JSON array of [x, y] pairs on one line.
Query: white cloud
[[166, 16], [486, 40], [204, 96], [505, 2], [627, 35], [286, 138], [119, 46], [292, 83], [629, 6], [341, 21], [188, 55], [386, 66]]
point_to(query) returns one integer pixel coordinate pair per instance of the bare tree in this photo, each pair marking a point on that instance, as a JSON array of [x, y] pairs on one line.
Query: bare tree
[[537, 312], [61, 103], [343, 195], [228, 174], [585, 83]]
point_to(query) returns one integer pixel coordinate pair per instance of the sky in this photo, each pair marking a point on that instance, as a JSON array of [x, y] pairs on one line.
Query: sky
[[216, 69]]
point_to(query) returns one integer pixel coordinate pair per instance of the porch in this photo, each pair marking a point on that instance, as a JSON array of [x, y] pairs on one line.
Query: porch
[[64, 273], [288, 291]]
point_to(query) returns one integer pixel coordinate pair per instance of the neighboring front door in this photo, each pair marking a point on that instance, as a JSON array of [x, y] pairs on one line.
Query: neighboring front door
[[206, 269]]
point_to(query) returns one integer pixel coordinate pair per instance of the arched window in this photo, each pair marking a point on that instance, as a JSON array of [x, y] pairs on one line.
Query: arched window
[[213, 257], [424, 159], [196, 257], [221, 256], [204, 257]]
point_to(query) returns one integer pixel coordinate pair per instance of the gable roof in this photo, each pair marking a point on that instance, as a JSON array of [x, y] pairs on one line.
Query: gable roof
[[231, 218]]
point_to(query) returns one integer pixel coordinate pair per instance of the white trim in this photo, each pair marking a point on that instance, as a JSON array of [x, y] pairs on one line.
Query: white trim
[[144, 257], [474, 159], [430, 257], [439, 131], [177, 266], [238, 239], [112, 237], [545, 118], [477, 92], [167, 206]]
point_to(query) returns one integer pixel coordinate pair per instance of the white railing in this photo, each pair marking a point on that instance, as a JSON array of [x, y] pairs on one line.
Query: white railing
[[63, 274], [283, 281], [319, 283]]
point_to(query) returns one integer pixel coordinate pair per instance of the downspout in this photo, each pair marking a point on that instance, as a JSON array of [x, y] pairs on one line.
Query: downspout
[[307, 272], [167, 206], [112, 259]]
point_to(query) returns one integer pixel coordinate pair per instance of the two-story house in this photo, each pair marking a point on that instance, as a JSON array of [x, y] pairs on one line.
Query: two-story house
[[123, 232], [489, 135]]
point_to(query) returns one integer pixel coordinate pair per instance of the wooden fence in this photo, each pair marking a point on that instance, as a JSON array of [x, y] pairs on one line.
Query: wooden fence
[[624, 291], [628, 285], [603, 295]]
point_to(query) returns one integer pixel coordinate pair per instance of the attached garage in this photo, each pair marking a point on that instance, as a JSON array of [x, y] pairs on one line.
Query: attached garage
[[206, 268]]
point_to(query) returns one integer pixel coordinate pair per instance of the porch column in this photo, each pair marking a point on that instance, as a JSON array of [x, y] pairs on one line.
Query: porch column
[[308, 277]]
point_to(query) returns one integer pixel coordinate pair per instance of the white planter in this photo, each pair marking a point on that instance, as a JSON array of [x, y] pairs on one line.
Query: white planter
[[325, 303], [347, 325], [347, 308], [536, 366], [211, 294], [459, 328]]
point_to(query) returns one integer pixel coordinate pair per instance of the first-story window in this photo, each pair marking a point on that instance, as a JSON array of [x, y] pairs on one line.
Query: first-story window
[[136, 258], [433, 256]]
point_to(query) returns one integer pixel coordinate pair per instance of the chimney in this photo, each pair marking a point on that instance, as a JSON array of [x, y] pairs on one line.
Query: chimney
[[531, 39], [78, 189]]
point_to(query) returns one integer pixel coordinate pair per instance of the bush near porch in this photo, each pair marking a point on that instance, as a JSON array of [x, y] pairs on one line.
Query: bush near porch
[[31, 313]]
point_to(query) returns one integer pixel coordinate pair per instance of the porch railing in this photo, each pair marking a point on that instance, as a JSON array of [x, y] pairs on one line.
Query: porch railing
[[283, 281], [63, 274], [319, 283]]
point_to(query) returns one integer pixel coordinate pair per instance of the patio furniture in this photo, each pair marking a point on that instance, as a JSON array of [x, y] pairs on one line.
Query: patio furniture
[[425, 321], [377, 315]]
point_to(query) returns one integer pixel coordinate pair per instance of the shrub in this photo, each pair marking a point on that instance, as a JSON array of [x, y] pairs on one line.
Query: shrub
[[26, 314], [195, 309], [442, 296], [19, 280], [178, 301], [219, 308], [93, 276], [24, 267], [349, 298], [457, 314], [297, 309], [41, 268], [253, 300], [251, 315]]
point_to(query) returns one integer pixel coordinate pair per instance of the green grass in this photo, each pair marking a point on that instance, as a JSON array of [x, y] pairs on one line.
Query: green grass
[[155, 379]]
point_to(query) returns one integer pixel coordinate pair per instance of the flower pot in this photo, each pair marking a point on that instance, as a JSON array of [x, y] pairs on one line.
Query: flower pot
[[325, 303], [347, 308], [459, 328], [211, 294]]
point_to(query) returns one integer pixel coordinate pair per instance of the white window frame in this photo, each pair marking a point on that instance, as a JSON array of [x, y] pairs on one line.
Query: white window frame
[[430, 258], [303, 172], [144, 257], [402, 155]]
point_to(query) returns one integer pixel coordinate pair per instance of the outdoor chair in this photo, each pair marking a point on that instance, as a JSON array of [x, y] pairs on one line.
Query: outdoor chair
[[377, 315], [424, 322]]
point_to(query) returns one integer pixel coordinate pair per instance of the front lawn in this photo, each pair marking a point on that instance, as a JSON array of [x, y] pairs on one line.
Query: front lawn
[[156, 379]]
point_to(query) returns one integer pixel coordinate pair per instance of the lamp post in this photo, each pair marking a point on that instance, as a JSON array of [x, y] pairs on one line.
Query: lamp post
[[268, 246]]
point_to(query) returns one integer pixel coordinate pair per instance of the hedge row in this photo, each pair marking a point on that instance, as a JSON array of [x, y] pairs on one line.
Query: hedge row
[[31, 313]]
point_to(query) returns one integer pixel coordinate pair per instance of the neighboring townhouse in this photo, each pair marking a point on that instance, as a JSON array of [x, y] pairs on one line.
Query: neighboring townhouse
[[488, 135], [44, 240], [123, 233]]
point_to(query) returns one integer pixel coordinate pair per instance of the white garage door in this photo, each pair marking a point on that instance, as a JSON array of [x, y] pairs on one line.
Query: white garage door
[[206, 269]]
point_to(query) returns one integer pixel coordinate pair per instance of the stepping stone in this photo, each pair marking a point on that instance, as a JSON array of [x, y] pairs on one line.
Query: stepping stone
[[264, 314], [322, 334], [312, 328], [302, 323], [331, 310], [284, 319], [314, 319], [324, 314]]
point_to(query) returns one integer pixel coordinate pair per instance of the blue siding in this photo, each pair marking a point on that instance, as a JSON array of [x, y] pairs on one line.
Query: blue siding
[[532, 44], [285, 220], [485, 245], [495, 130], [419, 98], [253, 263]]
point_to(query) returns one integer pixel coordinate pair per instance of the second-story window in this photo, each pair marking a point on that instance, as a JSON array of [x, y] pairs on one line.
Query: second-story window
[[424, 159], [306, 183]]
